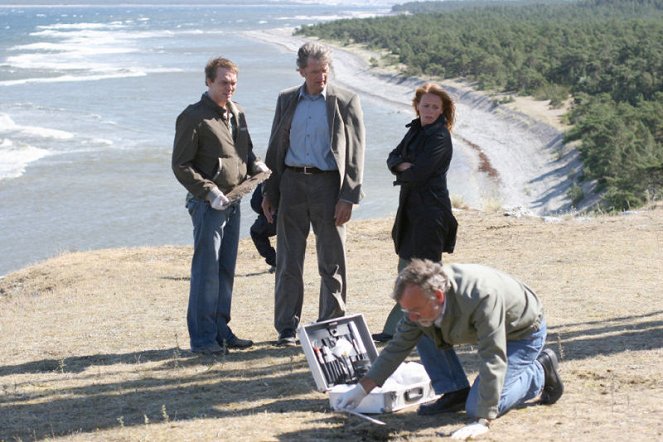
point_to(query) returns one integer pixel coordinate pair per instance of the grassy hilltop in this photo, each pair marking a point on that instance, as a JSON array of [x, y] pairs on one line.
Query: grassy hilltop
[[94, 344]]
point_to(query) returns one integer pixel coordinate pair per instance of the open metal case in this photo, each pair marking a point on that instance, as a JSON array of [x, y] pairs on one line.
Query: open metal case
[[340, 351]]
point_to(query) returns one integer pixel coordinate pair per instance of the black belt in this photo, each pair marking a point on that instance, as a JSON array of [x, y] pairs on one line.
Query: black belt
[[309, 170]]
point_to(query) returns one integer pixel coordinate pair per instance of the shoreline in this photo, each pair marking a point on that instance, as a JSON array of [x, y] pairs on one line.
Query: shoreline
[[517, 153]]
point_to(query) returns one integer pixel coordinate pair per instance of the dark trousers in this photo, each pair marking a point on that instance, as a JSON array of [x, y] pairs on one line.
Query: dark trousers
[[261, 231], [308, 201]]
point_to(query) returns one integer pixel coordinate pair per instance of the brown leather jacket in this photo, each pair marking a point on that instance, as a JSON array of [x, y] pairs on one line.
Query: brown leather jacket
[[205, 153]]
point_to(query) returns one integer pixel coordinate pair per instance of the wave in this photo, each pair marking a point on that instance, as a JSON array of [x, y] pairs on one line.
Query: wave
[[70, 48], [56, 64], [93, 35], [67, 52], [21, 145], [15, 158], [7, 125], [111, 25], [123, 73]]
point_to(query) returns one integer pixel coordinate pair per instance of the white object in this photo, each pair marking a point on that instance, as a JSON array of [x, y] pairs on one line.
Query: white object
[[409, 385], [343, 348], [350, 399], [393, 395], [262, 167], [220, 202], [470, 431], [363, 416], [312, 335]]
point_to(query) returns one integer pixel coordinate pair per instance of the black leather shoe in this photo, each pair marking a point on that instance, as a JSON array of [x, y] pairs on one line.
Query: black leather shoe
[[553, 388], [286, 341], [381, 337], [447, 403], [241, 344]]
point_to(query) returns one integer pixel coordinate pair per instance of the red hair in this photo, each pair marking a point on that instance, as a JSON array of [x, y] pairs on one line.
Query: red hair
[[448, 106]]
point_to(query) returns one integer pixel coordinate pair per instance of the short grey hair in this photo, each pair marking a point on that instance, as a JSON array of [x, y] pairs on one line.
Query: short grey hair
[[428, 275], [313, 50]]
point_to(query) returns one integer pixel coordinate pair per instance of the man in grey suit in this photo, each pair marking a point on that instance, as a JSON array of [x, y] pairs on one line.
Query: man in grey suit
[[316, 154]]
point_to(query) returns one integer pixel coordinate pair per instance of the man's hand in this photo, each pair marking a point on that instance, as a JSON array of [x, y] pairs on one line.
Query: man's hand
[[351, 398], [471, 431], [343, 212], [268, 209], [220, 202]]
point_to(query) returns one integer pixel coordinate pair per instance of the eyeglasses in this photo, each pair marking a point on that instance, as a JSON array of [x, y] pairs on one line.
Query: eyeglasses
[[414, 313]]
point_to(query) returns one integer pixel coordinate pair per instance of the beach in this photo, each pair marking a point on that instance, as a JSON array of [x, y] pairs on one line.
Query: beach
[[514, 153]]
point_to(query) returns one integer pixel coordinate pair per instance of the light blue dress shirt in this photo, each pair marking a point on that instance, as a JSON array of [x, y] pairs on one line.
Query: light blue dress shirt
[[310, 141]]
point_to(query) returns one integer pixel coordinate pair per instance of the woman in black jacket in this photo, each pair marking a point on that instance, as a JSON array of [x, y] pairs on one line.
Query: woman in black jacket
[[424, 226]]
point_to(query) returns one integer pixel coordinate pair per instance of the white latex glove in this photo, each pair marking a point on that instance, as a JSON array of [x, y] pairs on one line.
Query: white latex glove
[[220, 202], [351, 398], [470, 431], [262, 167]]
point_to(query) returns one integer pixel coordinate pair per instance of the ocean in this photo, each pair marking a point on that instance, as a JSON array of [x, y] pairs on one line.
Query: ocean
[[88, 101]]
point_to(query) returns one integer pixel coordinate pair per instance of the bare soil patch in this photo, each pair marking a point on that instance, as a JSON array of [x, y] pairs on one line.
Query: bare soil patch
[[94, 345]]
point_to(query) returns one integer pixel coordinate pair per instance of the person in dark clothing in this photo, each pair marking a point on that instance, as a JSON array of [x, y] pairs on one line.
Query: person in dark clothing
[[424, 226], [262, 230]]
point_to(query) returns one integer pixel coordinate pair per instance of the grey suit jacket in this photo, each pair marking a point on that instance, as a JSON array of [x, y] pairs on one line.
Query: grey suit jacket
[[346, 127]]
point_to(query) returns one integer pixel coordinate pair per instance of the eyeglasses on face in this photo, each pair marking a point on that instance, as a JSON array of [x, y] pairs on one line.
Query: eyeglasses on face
[[415, 312]]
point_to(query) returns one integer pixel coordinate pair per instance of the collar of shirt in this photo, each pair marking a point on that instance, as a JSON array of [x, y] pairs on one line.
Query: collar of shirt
[[438, 320], [309, 138], [303, 93], [225, 112]]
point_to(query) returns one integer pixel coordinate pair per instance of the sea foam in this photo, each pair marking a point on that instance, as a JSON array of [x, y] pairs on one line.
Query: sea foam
[[8, 126], [15, 158]]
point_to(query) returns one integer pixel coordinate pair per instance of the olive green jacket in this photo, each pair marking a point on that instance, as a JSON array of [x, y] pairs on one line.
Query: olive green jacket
[[485, 307]]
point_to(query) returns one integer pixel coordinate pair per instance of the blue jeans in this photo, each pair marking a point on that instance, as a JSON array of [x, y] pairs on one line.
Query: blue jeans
[[215, 240], [443, 367], [524, 375]]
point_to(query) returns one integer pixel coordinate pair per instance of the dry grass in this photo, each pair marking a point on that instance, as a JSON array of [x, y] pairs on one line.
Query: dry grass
[[94, 345]]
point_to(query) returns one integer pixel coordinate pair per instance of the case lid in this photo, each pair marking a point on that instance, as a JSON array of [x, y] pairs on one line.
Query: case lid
[[338, 351]]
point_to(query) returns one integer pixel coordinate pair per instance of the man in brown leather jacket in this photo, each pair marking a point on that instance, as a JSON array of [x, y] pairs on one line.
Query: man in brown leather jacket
[[212, 154]]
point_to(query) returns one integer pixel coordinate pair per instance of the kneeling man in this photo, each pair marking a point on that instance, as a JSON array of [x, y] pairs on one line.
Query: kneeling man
[[470, 304]]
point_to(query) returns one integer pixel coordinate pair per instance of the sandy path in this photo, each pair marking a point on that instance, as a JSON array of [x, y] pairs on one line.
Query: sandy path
[[515, 160]]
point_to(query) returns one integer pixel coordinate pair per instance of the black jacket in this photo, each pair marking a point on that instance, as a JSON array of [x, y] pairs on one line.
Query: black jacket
[[424, 226]]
